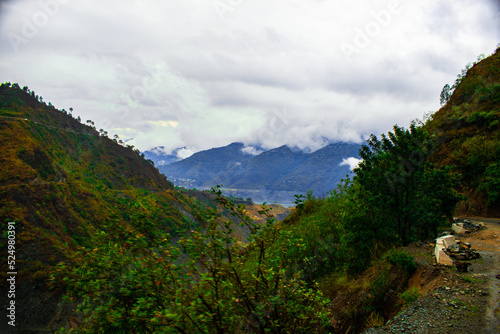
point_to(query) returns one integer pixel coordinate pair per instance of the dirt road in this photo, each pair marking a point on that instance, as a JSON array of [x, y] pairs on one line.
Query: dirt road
[[453, 302], [487, 243]]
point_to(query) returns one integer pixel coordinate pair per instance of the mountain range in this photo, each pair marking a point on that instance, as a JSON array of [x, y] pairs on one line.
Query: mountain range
[[274, 175]]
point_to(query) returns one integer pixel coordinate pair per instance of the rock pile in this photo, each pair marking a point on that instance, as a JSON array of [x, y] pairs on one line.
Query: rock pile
[[449, 252], [463, 226]]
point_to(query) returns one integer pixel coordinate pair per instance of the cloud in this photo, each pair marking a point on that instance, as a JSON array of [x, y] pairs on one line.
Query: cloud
[[351, 162], [184, 153], [251, 150], [186, 74]]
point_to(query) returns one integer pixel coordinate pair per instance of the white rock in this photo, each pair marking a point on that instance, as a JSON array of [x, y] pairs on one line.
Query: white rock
[[441, 244]]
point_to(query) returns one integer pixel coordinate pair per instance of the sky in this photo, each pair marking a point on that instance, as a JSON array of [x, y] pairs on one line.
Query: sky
[[196, 74]]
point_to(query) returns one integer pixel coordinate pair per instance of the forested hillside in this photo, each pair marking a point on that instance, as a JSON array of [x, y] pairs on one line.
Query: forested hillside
[[63, 183], [467, 131]]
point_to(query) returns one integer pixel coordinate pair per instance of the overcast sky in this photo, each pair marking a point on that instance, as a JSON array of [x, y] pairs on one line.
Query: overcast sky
[[205, 73]]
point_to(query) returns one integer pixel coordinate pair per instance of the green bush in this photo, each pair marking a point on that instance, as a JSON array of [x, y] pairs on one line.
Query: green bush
[[379, 287], [207, 282], [402, 259]]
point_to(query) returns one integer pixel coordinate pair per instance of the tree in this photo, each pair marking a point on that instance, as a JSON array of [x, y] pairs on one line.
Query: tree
[[490, 184], [445, 95], [400, 188]]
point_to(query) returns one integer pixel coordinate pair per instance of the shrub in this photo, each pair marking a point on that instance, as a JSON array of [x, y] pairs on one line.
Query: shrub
[[402, 259], [207, 282], [410, 295]]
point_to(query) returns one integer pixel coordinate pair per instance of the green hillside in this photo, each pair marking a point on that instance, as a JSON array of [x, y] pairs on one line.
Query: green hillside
[[467, 131], [63, 182]]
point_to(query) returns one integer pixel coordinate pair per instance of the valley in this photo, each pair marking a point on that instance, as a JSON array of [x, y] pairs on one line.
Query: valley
[[105, 242], [273, 176]]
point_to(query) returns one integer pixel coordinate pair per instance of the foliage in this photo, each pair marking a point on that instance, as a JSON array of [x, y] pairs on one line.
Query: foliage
[[379, 286], [491, 184], [207, 282], [410, 296], [445, 94], [467, 133], [312, 240], [402, 259], [299, 202], [448, 91], [401, 189]]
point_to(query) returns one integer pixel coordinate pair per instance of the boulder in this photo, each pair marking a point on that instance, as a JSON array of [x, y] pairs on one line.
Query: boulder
[[443, 243], [443, 258], [457, 229]]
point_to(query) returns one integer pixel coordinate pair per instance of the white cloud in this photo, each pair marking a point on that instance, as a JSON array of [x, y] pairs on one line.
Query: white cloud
[[184, 153], [351, 162], [251, 150], [267, 74]]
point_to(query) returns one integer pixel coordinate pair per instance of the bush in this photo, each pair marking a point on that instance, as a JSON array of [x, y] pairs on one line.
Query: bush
[[402, 259], [207, 281], [379, 287]]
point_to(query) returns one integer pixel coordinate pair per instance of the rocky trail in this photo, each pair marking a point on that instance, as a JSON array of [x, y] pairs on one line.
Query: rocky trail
[[452, 302], [487, 242]]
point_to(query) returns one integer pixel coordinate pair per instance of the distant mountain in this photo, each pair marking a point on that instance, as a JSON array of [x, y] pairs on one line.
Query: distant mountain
[[273, 176], [196, 170], [159, 157]]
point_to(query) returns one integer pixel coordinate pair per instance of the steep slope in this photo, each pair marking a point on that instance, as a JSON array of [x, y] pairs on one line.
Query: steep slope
[[63, 183], [467, 130]]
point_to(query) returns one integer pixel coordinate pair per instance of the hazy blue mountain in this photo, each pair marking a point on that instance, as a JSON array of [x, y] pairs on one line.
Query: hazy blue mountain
[[273, 176], [203, 166], [159, 157]]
